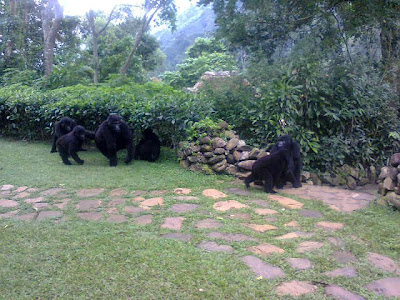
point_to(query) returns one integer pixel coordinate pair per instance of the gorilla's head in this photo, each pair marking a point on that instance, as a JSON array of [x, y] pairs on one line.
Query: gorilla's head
[[79, 132], [114, 123], [67, 124]]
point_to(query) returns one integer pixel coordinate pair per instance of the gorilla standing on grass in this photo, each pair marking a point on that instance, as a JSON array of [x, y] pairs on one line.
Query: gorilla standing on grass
[[292, 174], [64, 126], [113, 135], [69, 144], [148, 147]]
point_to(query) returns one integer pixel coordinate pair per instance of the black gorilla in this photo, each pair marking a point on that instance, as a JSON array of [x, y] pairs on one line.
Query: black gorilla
[[295, 163], [70, 143], [113, 135], [270, 170], [64, 126], [148, 147]]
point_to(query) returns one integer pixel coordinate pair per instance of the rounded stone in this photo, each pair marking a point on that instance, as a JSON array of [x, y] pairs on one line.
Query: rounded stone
[[208, 224], [295, 288], [265, 249], [300, 263], [213, 193], [214, 247], [388, 287], [260, 268], [339, 293]]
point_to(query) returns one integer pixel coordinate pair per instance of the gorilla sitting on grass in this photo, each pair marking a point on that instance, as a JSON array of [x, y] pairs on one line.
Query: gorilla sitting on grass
[[148, 147]]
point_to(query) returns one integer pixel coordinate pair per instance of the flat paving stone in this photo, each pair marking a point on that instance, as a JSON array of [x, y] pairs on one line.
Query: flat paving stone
[[40, 205], [185, 198], [52, 191], [309, 246], [48, 215], [333, 226], [159, 192], [260, 268], [116, 202], [292, 224], [118, 192], [116, 219], [295, 235], [295, 288], [144, 220], [262, 203], [139, 199], [21, 189], [335, 241], [213, 193], [6, 187], [32, 190], [152, 202], [339, 293], [34, 200], [337, 198], [265, 249], [182, 191], [8, 203], [227, 205], [300, 263], [174, 223], [183, 207], [287, 202], [343, 272], [22, 195], [178, 236], [388, 287], [271, 219], [90, 216], [112, 211], [261, 227], [231, 237], [26, 217], [344, 257], [9, 214], [208, 224], [265, 211], [133, 209], [214, 247], [239, 215], [88, 204], [87, 193], [383, 263], [310, 213], [62, 204], [238, 191]]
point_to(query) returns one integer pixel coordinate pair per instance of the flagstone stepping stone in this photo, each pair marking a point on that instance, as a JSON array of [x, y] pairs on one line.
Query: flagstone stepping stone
[[152, 202], [184, 207], [265, 249], [182, 191], [116, 218], [5, 193], [90, 216], [34, 200], [239, 215], [271, 219], [262, 203], [344, 272], [88, 204], [344, 257], [231, 237], [22, 195], [8, 203], [87, 193], [215, 194], [138, 193], [292, 224], [21, 189], [174, 223], [159, 192], [287, 202], [388, 287], [139, 199], [48, 215], [144, 220], [295, 288], [178, 236], [261, 228], [330, 225], [9, 214], [118, 192], [265, 211], [260, 268], [32, 190], [294, 235], [208, 224], [311, 213], [52, 191], [186, 198], [133, 209], [62, 204], [309, 246], [214, 247], [300, 263], [40, 205], [116, 201], [112, 210], [26, 217], [227, 205], [337, 242], [384, 263], [7, 187], [339, 293], [239, 191]]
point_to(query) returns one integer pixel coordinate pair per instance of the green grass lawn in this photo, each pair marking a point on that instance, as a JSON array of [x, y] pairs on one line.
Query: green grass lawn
[[77, 259]]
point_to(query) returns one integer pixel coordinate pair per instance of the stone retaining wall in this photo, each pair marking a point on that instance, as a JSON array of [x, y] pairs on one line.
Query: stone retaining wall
[[389, 182]]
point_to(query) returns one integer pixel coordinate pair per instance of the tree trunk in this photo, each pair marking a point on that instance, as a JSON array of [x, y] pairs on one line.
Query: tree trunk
[[95, 37]]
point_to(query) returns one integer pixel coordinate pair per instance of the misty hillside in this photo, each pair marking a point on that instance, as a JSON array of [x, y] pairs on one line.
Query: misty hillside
[[192, 23]]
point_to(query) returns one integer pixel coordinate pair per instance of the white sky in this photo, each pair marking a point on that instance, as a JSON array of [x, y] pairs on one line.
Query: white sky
[[80, 7]]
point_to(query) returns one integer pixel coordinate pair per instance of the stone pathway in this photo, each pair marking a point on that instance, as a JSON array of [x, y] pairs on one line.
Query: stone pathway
[[182, 214]]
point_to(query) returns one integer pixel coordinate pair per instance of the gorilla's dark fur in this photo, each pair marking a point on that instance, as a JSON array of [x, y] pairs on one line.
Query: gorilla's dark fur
[[269, 169], [113, 135], [62, 127], [295, 163], [148, 147], [69, 144]]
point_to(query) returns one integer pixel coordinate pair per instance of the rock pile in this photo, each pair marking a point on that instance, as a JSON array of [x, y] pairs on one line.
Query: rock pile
[[217, 155], [389, 181]]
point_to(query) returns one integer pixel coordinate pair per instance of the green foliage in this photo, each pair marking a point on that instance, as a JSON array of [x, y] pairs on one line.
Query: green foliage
[[203, 46], [204, 127]]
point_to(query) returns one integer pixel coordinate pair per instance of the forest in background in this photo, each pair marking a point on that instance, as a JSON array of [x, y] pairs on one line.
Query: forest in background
[[324, 71]]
